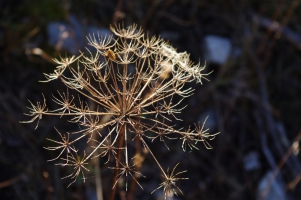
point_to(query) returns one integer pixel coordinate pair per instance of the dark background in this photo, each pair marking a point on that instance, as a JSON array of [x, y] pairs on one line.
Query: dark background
[[253, 98]]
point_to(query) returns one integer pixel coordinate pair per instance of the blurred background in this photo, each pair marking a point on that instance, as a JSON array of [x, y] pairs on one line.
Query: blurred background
[[253, 97]]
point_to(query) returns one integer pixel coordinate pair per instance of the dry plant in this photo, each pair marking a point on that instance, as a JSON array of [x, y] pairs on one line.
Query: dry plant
[[133, 79]]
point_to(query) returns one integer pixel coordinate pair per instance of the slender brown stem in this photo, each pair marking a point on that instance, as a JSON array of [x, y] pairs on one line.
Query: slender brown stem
[[11, 181], [98, 182], [130, 195], [119, 152]]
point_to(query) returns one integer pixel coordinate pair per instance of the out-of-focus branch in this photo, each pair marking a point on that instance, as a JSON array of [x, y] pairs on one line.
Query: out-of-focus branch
[[278, 28]]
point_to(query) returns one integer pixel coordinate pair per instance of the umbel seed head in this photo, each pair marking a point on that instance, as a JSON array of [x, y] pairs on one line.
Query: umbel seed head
[[129, 89]]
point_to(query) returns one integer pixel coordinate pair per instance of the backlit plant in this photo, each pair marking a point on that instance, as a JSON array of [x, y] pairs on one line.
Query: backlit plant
[[134, 81]]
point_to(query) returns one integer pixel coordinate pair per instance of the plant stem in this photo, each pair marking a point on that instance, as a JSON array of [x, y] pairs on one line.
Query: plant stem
[[120, 144], [130, 195]]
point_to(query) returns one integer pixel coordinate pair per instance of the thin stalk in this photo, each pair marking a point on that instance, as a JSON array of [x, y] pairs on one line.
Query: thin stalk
[[138, 167], [98, 182], [119, 152], [146, 146]]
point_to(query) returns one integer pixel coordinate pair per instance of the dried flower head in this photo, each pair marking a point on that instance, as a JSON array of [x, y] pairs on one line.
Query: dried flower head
[[124, 78]]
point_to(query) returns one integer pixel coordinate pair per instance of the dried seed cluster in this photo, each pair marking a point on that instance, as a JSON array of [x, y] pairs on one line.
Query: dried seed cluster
[[133, 80]]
